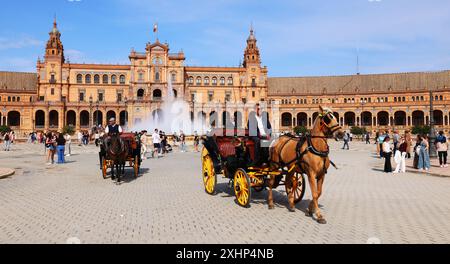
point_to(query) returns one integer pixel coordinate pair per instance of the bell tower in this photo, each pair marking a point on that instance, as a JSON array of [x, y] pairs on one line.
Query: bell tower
[[251, 54], [54, 50]]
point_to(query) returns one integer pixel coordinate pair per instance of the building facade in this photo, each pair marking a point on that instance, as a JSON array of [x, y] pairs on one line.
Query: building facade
[[85, 95]]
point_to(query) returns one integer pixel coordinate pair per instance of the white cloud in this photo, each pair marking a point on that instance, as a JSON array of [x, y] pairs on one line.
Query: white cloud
[[19, 42]]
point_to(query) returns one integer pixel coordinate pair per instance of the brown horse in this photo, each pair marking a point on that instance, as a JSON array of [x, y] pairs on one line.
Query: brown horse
[[117, 151], [307, 154]]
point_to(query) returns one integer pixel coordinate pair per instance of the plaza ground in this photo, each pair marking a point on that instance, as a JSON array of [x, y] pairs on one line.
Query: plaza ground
[[167, 204]]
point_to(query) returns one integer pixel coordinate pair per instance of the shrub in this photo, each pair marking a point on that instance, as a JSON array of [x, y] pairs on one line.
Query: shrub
[[358, 130], [4, 129], [300, 130], [420, 130], [68, 130]]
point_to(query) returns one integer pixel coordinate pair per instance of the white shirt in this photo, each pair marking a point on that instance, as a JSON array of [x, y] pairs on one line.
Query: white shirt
[[259, 120], [107, 129], [386, 147], [68, 139], [156, 139]]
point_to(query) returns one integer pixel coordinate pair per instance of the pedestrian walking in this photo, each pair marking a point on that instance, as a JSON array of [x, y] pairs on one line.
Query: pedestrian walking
[[400, 157], [387, 152], [346, 139], [367, 137], [380, 141], [97, 138], [409, 142], [196, 141], [396, 139], [143, 144], [7, 141], [60, 148], [442, 149], [183, 141]]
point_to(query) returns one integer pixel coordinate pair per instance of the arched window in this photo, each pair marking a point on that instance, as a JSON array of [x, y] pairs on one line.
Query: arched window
[[141, 77], [206, 81], [87, 79], [191, 80], [96, 79], [157, 94], [114, 79], [222, 81], [199, 81], [230, 81], [441, 98], [286, 119], [174, 77], [140, 94], [157, 75], [214, 81], [122, 79], [79, 78], [105, 79]]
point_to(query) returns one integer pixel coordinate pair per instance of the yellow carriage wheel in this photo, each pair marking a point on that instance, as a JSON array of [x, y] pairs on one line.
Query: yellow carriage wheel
[[208, 173], [242, 188], [298, 187], [104, 167]]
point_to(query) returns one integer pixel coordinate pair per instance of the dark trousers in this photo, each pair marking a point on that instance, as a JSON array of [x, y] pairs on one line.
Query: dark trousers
[[395, 146], [345, 144], [381, 150], [387, 162], [442, 157], [257, 152], [367, 141]]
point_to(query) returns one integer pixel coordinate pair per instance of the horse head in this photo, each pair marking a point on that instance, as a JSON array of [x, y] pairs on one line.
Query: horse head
[[329, 124], [115, 144]]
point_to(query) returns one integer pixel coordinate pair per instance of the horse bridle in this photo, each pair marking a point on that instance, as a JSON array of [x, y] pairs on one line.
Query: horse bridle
[[325, 120]]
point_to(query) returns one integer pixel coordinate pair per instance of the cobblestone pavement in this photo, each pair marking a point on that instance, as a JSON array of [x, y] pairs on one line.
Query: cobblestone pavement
[[167, 204]]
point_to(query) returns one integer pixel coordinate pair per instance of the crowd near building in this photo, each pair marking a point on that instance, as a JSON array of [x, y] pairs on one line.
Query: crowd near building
[[62, 93]]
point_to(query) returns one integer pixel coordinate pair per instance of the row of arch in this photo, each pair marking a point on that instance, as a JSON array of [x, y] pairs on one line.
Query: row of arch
[[206, 80], [156, 94], [366, 118], [87, 79], [82, 120]]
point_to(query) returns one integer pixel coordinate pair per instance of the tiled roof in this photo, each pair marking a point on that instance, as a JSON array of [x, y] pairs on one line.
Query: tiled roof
[[18, 81], [372, 83]]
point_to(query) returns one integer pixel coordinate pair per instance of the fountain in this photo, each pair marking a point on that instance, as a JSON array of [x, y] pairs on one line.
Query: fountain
[[173, 116]]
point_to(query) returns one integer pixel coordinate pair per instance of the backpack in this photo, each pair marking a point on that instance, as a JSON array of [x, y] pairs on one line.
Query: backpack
[[7, 137]]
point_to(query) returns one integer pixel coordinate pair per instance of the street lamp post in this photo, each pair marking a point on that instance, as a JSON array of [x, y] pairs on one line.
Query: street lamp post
[[97, 114], [432, 134], [126, 113], [90, 111]]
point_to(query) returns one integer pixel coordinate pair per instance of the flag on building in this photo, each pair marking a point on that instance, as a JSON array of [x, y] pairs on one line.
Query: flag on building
[[155, 28]]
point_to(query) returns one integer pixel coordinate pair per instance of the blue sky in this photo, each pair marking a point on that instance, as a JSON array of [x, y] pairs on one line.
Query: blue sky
[[296, 38]]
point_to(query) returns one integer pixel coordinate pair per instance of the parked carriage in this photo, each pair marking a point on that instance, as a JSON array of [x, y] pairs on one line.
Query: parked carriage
[[133, 157], [230, 153]]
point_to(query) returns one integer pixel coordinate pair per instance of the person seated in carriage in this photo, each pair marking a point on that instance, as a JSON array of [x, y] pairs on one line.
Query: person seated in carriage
[[259, 129]]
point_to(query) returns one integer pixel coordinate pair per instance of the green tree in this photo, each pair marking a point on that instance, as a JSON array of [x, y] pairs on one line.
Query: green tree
[[300, 130], [68, 130], [420, 130]]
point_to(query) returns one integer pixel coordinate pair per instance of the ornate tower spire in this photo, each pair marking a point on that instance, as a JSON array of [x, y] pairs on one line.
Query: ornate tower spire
[[251, 54], [54, 49]]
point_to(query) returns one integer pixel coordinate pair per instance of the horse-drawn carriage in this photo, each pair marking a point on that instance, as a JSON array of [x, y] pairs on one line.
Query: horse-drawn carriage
[[231, 153], [120, 150]]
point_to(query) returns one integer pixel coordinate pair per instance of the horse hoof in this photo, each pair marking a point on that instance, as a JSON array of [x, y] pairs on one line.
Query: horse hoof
[[308, 214], [271, 207], [292, 210], [321, 221]]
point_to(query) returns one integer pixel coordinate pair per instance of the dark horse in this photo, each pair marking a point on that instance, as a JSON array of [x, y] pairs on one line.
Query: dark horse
[[116, 151]]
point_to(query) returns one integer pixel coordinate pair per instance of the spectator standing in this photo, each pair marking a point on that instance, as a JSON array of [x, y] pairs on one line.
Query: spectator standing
[[396, 139], [400, 157], [367, 137], [156, 143], [351, 136], [143, 144], [442, 149], [50, 145], [387, 152], [60, 147], [80, 138], [408, 141], [424, 157], [69, 144]]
